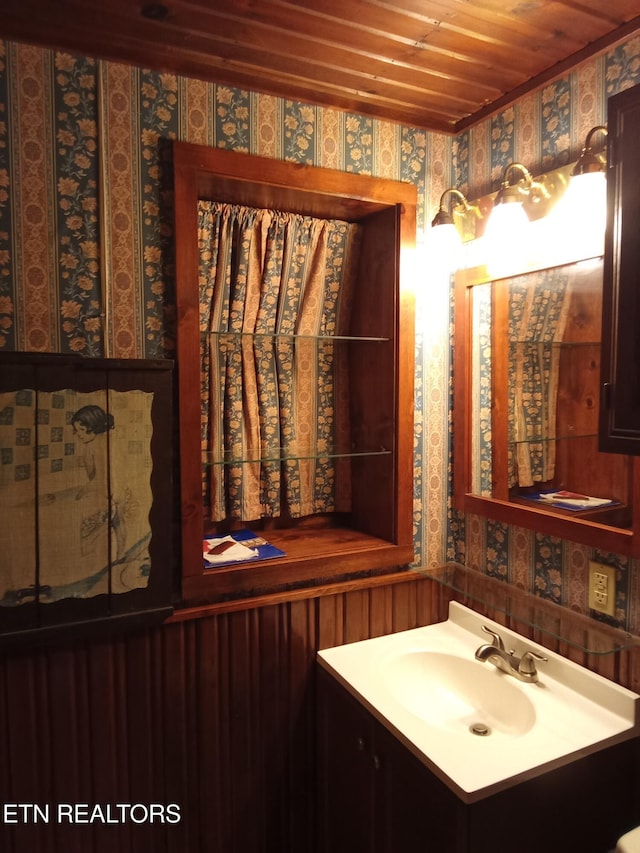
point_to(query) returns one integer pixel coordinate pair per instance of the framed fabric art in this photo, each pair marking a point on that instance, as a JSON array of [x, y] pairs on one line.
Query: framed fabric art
[[85, 492]]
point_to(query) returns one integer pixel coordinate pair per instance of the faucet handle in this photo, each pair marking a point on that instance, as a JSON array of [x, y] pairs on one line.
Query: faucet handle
[[497, 639], [527, 665]]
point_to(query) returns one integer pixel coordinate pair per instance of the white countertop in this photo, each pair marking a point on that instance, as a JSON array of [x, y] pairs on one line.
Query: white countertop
[[535, 727]]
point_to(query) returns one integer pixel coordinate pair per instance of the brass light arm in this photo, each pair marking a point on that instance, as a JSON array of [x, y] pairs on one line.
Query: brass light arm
[[592, 160], [525, 188], [444, 215]]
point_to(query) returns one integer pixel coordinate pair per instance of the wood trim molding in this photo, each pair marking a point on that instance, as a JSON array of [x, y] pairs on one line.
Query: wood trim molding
[[186, 614]]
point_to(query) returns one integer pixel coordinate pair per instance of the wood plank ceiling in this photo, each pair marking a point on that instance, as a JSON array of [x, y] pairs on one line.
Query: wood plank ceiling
[[439, 65]]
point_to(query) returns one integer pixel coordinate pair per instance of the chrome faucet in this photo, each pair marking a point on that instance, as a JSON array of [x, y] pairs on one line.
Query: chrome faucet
[[523, 668]]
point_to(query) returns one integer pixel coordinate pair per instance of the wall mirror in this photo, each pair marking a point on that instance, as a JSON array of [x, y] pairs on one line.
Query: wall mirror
[[234, 343], [527, 389]]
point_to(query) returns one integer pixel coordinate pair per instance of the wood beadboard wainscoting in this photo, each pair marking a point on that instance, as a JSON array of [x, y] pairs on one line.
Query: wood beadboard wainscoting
[[213, 712]]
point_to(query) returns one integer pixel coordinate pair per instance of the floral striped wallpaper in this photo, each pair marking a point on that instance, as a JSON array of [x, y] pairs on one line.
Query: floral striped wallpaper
[[543, 130], [86, 260]]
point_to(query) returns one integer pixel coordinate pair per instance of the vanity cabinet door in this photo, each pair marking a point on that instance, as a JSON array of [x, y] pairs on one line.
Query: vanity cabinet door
[[620, 379], [347, 771], [421, 814], [374, 795]]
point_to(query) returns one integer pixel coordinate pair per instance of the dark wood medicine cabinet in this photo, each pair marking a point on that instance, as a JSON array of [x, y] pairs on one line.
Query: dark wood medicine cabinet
[[376, 534], [620, 406]]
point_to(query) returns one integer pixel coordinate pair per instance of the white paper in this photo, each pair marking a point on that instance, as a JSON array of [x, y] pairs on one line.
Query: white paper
[[234, 551]]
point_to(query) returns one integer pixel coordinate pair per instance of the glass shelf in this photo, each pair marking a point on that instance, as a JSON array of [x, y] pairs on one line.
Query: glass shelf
[[547, 623], [542, 439], [283, 454], [560, 345], [276, 336]]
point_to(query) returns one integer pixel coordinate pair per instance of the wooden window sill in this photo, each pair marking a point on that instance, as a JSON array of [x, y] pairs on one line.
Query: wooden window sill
[[312, 556]]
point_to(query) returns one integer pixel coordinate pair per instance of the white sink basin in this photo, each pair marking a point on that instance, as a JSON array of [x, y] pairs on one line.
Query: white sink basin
[[477, 728], [458, 694]]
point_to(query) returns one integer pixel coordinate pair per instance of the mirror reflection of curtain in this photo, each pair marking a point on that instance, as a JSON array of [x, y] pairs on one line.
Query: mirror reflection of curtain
[[273, 286], [539, 304], [481, 391]]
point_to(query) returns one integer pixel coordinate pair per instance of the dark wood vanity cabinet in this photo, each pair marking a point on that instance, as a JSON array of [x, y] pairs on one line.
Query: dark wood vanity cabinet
[[620, 374], [375, 796]]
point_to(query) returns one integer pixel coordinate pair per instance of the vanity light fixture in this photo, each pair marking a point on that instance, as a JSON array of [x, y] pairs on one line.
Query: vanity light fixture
[[585, 201], [587, 192], [445, 238], [507, 241], [444, 216], [590, 160], [579, 218], [508, 216], [442, 254]]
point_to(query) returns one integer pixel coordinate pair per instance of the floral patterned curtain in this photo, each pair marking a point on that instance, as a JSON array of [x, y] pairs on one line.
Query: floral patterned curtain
[[537, 319], [275, 288]]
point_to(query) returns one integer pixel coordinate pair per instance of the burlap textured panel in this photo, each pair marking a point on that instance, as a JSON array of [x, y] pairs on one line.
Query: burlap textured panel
[[75, 493]]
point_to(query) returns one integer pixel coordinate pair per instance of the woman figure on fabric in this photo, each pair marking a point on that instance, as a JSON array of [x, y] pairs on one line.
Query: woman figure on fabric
[[101, 515]]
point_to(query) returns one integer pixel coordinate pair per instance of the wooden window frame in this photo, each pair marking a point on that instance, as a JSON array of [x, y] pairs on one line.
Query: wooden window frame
[[378, 535]]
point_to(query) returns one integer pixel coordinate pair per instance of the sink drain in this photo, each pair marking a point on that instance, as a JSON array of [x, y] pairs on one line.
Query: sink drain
[[480, 729]]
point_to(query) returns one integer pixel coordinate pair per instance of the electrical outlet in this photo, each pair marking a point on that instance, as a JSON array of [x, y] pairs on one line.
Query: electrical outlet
[[602, 588]]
